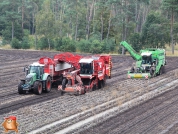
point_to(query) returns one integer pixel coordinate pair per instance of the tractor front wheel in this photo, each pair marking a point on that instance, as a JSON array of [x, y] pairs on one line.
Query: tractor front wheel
[[48, 84], [20, 89], [37, 87], [151, 72]]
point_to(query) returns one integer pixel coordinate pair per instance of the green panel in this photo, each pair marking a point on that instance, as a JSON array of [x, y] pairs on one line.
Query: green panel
[[45, 75]]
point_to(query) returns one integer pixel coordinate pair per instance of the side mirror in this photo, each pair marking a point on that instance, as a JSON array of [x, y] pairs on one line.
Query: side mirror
[[26, 70]]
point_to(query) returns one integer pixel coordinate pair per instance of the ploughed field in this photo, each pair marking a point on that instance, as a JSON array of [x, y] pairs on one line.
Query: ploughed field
[[122, 106]]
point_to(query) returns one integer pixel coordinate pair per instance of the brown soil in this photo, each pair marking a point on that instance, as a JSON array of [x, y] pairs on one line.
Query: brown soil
[[152, 116]]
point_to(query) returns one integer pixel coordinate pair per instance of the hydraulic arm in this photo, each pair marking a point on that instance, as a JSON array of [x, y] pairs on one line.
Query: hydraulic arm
[[132, 52]]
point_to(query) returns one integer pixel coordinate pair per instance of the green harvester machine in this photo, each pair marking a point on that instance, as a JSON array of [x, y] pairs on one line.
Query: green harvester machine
[[149, 63]]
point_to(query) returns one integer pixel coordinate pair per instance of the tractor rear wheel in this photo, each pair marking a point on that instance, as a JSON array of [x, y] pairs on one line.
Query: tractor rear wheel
[[64, 82], [104, 81], [100, 84], [161, 70], [37, 87], [20, 89], [94, 88], [48, 85]]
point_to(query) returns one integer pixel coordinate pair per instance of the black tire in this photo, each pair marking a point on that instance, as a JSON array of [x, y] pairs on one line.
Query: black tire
[[38, 87], [48, 85], [104, 82], [132, 70], [100, 84], [161, 70], [94, 88], [20, 89], [61, 92], [64, 82], [151, 72]]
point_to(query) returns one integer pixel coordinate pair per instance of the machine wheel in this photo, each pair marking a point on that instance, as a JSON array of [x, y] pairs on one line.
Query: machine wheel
[[61, 92], [20, 89], [48, 85], [132, 70], [161, 70], [151, 72], [37, 87], [64, 82], [94, 88], [104, 81], [100, 84]]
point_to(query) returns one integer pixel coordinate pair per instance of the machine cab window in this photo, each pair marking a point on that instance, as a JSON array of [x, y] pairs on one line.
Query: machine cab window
[[86, 68], [146, 59]]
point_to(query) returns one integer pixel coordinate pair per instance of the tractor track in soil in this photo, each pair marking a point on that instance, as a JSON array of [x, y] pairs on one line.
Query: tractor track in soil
[[144, 118], [118, 86], [115, 102]]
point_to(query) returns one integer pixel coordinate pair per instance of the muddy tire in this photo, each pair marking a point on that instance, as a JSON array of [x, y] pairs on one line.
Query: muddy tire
[[132, 70], [61, 92], [161, 70], [20, 89], [38, 87], [48, 85], [100, 84], [64, 82], [104, 82], [94, 88], [152, 72]]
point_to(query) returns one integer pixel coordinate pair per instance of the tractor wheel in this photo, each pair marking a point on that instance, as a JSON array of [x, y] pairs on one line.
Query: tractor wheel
[[37, 87], [61, 92], [151, 72], [48, 85], [132, 70], [104, 81], [64, 82], [161, 71], [100, 84], [94, 88], [20, 89]]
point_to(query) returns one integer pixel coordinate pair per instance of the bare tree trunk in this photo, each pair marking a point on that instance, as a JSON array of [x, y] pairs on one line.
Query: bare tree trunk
[[172, 36], [94, 10], [12, 29], [137, 16], [49, 44], [109, 23], [124, 29], [76, 28], [101, 26], [56, 10], [22, 15], [90, 10]]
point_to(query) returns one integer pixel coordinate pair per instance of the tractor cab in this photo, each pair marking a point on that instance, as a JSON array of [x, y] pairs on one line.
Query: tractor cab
[[86, 66], [34, 71], [146, 58]]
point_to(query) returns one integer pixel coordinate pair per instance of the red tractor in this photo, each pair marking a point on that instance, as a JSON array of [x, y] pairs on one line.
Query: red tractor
[[40, 75], [90, 76]]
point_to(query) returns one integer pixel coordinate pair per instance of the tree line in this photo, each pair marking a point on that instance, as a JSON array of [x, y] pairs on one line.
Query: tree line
[[94, 26]]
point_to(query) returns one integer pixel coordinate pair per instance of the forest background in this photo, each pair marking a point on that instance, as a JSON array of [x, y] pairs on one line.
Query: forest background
[[90, 26]]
